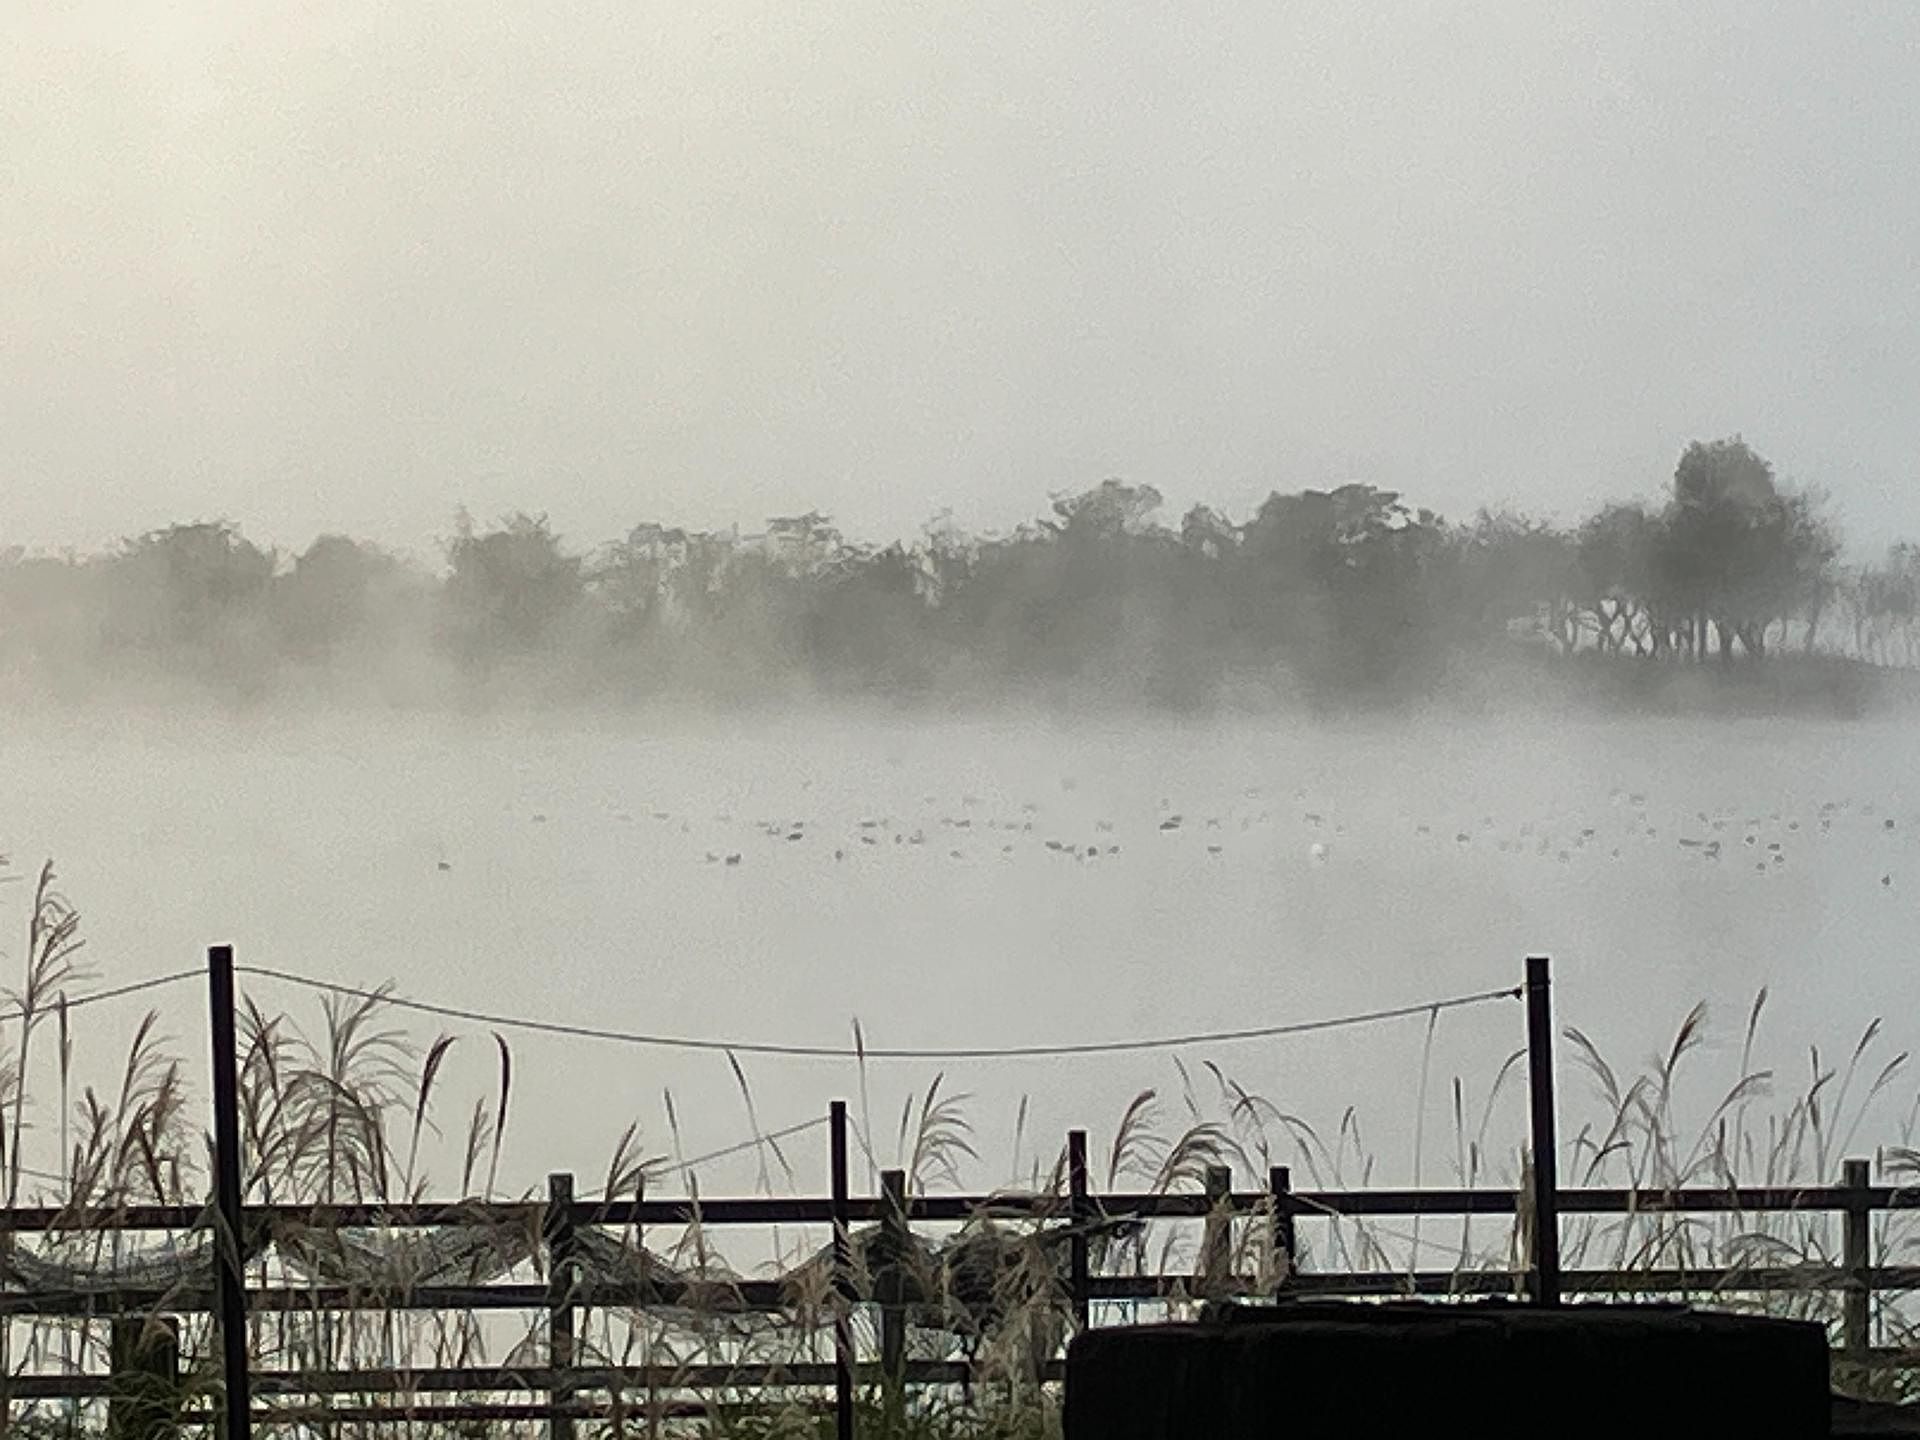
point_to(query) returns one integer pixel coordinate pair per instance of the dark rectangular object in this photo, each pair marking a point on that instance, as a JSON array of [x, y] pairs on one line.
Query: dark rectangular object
[[146, 1394], [1312, 1371]]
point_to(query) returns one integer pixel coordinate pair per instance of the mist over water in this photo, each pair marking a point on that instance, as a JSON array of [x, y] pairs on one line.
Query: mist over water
[[994, 882]]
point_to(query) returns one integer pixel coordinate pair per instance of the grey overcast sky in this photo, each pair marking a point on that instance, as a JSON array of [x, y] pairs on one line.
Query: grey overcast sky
[[350, 265]]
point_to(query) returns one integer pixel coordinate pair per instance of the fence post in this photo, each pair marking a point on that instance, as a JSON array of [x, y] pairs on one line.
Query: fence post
[[640, 1239], [1544, 1282], [646, 1283], [890, 1289], [1216, 1250], [1081, 1212], [228, 1223], [1857, 1317], [843, 1294], [1286, 1243], [561, 1276], [146, 1397]]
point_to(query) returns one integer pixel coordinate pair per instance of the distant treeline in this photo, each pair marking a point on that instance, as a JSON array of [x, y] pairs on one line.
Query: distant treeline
[[1347, 593]]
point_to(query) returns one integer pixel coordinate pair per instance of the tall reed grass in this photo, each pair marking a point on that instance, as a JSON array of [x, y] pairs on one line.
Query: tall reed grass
[[349, 1110]]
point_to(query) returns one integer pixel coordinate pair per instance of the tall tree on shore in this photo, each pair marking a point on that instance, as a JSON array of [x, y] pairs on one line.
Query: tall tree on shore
[[510, 590], [1614, 563], [1738, 552], [190, 602], [338, 591]]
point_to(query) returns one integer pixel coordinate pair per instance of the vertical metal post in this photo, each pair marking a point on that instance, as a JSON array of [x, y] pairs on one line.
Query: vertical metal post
[[561, 1277], [1857, 1319], [1216, 1249], [1080, 1210], [890, 1289], [843, 1297], [646, 1284], [1286, 1242], [227, 1196], [640, 1239], [1545, 1279]]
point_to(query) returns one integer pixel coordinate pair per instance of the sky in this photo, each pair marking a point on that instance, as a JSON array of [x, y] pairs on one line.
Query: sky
[[355, 265]]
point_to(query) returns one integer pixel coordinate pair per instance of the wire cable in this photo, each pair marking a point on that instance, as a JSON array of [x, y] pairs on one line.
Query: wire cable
[[656, 1168], [18, 1011], [682, 1167], [839, 1052]]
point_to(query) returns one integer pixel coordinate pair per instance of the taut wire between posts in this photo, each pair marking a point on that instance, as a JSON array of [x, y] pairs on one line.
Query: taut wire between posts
[[1544, 1273], [229, 1216]]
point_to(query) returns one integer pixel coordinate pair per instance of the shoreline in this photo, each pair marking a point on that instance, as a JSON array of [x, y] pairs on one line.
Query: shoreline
[[1511, 683]]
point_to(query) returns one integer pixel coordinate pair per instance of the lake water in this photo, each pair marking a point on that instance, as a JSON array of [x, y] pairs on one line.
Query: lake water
[[991, 883]]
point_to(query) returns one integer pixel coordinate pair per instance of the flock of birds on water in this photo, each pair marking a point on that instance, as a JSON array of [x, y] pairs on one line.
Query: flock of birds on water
[[1763, 843]]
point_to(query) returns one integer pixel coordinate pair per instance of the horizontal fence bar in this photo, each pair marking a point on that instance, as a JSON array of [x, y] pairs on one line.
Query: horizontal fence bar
[[761, 1210], [319, 1416], [1469, 1283], [802, 1375], [617, 1382], [315, 1416], [773, 1297], [488, 1381], [742, 1295], [641, 1388]]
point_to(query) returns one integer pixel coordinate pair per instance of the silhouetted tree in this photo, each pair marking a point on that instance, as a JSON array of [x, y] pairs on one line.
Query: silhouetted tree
[[175, 584], [866, 624], [805, 546], [1336, 583], [1738, 553], [1521, 571], [337, 593], [52, 619], [510, 592], [191, 600], [1338, 591], [1107, 513], [1614, 556], [630, 581], [1884, 600], [1208, 534]]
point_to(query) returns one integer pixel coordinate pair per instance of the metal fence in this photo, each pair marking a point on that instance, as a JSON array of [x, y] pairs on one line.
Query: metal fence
[[875, 1284]]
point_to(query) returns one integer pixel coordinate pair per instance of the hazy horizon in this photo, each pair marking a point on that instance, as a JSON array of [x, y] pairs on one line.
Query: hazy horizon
[[362, 268]]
